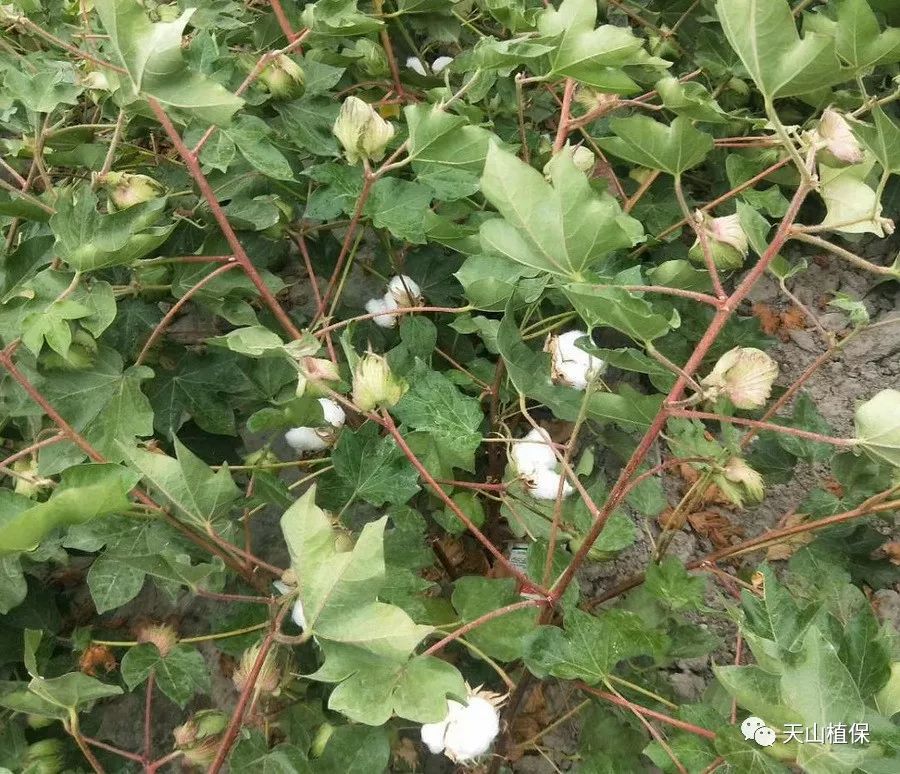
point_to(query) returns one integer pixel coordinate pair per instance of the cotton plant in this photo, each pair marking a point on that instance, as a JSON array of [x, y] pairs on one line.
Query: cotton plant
[[402, 292], [440, 64], [313, 439]]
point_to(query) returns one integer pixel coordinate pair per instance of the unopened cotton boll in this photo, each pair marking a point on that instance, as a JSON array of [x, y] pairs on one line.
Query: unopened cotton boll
[[416, 65], [543, 484], [533, 453], [387, 304], [571, 365], [441, 63]]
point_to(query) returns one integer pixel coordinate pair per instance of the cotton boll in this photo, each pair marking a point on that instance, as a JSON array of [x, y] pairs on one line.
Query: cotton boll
[[472, 730], [441, 63], [305, 439], [534, 453], [387, 304], [333, 413], [433, 733], [415, 64], [404, 291], [571, 365], [543, 484]]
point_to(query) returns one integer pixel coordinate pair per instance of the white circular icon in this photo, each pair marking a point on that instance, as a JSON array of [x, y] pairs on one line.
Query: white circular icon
[[765, 736], [751, 725]]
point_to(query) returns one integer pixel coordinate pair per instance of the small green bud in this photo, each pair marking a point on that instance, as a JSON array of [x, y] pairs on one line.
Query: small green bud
[[374, 384], [726, 239], [371, 58], [283, 78], [361, 131], [45, 757], [200, 737], [126, 190], [323, 734]]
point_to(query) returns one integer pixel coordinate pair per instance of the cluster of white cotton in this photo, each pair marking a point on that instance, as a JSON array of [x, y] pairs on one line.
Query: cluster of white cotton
[[468, 730], [417, 65], [309, 439], [402, 291], [571, 365], [535, 462]]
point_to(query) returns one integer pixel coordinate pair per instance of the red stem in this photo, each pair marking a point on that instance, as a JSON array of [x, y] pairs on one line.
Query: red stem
[[690, 414], [31, 449], [388, 312], [113, 749], [237, 717], [523, 579], [620, 488], [218, 213], [148, 718], [176, 308], [562, 131], [630, 705], [490, 616], [283, 21]]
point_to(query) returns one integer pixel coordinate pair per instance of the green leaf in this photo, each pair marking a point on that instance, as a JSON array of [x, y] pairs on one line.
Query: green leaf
[[607, 305], [852, 205], [371, 468], [592, 56], [179, 674], [447, 152], [187, 482], [818, 686], [88, 241], [690, 99], [764, 35], [254, 341], [882, 139], [368, 644], [435, 405], [400, 207], [100, 492], [757, 691], [375, 688], [501, 638], [51, 324], [251, 136], [858, 39], [744, 756], [491, 281], [673, 586], [355, 750], [252, 753], [590, 646], [648, 143], [151, 54], [57, 697], [562, 229]]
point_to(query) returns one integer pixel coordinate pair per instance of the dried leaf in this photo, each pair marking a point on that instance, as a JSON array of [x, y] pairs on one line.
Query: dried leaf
[[785, 549]]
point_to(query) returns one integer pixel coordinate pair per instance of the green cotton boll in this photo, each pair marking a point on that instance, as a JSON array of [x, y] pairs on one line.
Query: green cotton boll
[[726, 239], [45, 757], [878, 427], [284, 78], [125, 190]]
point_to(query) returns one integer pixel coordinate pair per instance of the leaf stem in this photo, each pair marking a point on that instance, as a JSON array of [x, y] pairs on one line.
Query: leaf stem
[[758, 425]]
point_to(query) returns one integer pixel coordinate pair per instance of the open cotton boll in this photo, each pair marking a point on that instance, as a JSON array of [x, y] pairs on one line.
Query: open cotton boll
[[416, 65], [571, 365], [441, 63], [304, 439], [333, 413], [386, 304], [543, 484], [468, 730], [533, 453], [472, 730], [297, 614], [404, 290]]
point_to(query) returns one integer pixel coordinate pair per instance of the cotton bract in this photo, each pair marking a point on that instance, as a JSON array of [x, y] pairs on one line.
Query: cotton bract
[[468, 730], [304, 439], [571, 365]]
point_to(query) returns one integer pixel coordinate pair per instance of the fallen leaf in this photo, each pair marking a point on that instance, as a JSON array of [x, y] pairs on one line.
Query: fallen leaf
[[715, 526], [892, 551], [96, 657], [785, 548]]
